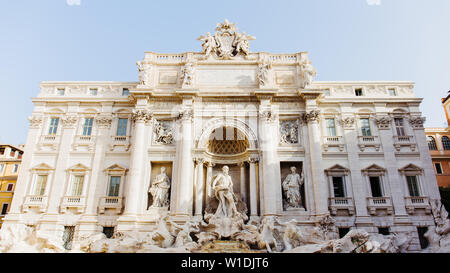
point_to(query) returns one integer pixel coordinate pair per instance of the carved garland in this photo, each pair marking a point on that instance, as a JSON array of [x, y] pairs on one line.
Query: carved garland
[[311, 116]]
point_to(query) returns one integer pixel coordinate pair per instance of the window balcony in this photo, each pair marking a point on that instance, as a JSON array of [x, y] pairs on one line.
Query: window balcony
[[120, 141], [49, 141], [368, 141], [111, 202], [35, 201], [84, 141], [341, 203], [404, 141], [333, 141], [417, 202], [379, 203], [77, 202]]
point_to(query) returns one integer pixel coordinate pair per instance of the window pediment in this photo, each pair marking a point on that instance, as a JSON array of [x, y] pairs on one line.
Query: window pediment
[[78, 168], [337, 170], [374, 169], [42, 167], [116, 169], [411, 169]]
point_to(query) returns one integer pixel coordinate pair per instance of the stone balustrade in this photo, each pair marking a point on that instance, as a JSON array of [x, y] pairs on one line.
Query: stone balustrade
[[35, 201], [379, 203]]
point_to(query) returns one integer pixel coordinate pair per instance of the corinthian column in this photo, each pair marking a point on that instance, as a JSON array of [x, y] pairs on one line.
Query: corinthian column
[[253, 189], [185, 192], [319, 183], [271, 176], [199, 188], [134, 187]]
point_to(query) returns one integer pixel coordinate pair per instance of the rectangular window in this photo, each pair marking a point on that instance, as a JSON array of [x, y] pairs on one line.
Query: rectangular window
[[384, 230], [53, 128], [358, 92], [343, 232], [438, 168], [87, 127], [108, 231], [15, 168], [122, 127], [413, 186], [68, 237], [60, 91], [399, 126], [125, 92], [77, 185], [331, 126], [93, 91], [338, 186], [5, 208], [392, 92], [422, 239], [114, 184], [375, 186], [365, 127], [2, 166], [40, 185], [326, 92], [10, 187]]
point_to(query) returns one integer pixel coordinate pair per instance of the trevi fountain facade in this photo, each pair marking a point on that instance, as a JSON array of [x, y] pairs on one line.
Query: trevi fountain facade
[[226, 150]]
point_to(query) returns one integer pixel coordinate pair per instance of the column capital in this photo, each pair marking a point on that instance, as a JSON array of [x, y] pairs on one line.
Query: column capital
[[104, 121], [199, 160], [311, 116], [186, 115], [69, 121], [417, 122], [141, 115], [210, 164], [253, 160], [35, 121], [383, 122], [268, 115]]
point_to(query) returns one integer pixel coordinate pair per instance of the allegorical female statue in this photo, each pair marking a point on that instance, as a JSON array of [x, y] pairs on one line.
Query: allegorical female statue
[[223, 191], [291, 187], [160, 189]]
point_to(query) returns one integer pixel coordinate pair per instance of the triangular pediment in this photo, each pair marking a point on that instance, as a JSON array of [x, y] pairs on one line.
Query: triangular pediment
[[78, 167], [337, 169], [115, 167], [374, 168], [42, 166], [411, 168]]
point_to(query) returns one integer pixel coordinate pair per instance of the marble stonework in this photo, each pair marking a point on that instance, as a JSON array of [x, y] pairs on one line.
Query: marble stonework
[[196, 112]]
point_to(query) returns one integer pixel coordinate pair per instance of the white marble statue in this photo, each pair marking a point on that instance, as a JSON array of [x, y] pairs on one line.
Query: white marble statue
[[223, 191], [308, 72], [187, 74], [209, 44], [263, 73], [160, 189], [291, 187]]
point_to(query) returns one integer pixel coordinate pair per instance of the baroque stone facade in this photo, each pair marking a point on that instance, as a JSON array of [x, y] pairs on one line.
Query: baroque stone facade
[[250, 134]]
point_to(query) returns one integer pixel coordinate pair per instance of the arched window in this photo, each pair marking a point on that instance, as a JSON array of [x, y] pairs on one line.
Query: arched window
[[446, 143], [431, 143]]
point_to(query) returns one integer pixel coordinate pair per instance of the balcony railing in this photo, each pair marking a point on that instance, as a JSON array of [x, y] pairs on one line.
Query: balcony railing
[[333, 141], [417, 202], [111, 202], [402, 141], [35, 201], [368, 141], [403, 138], [374, 203], [345, 203], [78, 202], [120, 141]]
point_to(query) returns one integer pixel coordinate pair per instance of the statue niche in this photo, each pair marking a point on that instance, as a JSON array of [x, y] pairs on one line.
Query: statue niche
[[159, 190], [292, 186]]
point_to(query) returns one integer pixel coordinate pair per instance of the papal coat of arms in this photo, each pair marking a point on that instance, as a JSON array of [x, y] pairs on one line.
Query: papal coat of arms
[[226, 42]]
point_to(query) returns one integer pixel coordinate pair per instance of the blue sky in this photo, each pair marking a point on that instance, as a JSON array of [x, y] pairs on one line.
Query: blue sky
[[100, 40]]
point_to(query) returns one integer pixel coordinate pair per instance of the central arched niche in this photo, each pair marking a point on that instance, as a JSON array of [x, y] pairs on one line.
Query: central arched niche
[[229, 146], [227, 141]]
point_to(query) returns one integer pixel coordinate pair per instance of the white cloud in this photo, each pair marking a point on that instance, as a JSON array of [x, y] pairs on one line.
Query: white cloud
[[374, 2], [73, 2]]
